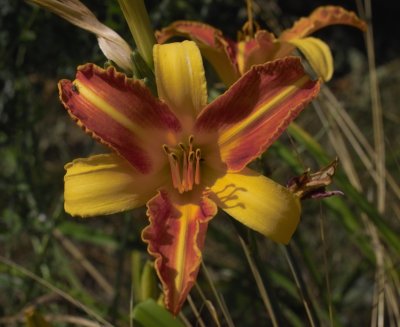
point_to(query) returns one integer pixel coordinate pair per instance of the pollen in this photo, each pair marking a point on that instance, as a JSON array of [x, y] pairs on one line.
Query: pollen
[[184, 161]]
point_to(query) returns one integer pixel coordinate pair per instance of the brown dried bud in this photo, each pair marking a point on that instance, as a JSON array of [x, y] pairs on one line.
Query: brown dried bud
[[313, 185]]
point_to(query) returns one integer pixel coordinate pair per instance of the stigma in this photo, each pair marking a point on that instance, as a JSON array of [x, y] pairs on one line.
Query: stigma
[[184, 161]]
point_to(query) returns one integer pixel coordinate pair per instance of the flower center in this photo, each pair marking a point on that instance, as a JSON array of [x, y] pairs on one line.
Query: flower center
[[184, 162]]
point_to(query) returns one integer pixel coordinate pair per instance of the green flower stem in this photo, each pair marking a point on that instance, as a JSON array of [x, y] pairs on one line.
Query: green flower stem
[[141, 70], [139, 23], [136, 272]]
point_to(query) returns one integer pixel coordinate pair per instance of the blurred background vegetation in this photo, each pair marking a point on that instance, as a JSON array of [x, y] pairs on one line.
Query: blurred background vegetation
[[346, 276]]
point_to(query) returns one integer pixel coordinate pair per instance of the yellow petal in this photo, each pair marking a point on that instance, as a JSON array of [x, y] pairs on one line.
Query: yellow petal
[[180, 77], [105, 184], [318, 55], [259, 203]]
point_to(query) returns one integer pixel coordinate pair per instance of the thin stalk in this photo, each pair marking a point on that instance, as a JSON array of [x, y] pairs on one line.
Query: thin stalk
[[120, 268], [84, 262], [131, 300], [250, 17], [346, 122], [301, 287], [328, 284], [260, 284], [378, 313], [139, 23], [184, 320], [379, 137], [208, 305], [196, 312], [221, 305], [377, 116]]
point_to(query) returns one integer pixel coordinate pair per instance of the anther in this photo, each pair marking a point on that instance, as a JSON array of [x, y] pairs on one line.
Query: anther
[[166, 149]]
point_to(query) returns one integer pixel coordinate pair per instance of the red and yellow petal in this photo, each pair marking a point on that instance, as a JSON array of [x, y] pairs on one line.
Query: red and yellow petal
[[320, 18], [175, 237], [121, 113], [217, 49], [105, 184], [255, 111], [257, 202]]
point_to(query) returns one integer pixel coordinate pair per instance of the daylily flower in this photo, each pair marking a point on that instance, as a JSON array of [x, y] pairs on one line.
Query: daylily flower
[[232, 59], [183, 157]]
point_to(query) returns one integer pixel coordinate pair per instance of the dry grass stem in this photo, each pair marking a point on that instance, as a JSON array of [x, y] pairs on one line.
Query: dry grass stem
[[84, 262]]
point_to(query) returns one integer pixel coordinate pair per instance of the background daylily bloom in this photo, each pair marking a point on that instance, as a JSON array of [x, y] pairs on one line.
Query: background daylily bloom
[[183, 157], [232, 59]]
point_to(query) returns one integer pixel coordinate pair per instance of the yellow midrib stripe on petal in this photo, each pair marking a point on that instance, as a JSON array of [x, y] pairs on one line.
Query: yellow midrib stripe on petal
[[106, 108], [181, 258], [264, 107]]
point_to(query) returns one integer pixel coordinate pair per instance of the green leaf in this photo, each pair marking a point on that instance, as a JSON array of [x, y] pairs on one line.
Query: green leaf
[[149, 314]]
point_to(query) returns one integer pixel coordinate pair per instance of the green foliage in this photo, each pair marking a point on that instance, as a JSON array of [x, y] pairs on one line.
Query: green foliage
[[150, 314]]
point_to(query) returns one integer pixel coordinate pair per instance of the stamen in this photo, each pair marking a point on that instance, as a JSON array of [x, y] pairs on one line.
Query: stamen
[[197, 170], [189, 175], [184, 172], [176, 178]]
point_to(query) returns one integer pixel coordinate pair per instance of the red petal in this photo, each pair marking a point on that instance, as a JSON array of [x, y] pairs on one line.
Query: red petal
[[320, 18], [121, 113], [175, 238], [255, 111], [204, 33], [257, 51]]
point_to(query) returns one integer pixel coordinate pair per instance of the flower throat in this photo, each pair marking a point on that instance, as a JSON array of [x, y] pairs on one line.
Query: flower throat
[[184, 162]]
